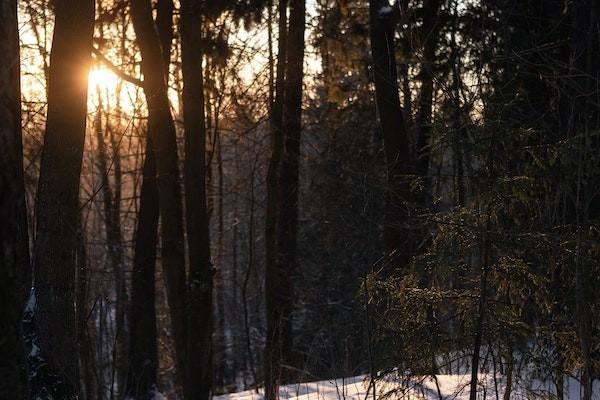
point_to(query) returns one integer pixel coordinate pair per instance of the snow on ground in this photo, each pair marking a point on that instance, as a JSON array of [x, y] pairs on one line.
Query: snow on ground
[[451, 387]]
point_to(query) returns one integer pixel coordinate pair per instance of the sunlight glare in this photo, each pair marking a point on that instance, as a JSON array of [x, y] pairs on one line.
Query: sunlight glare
[[102, 78]]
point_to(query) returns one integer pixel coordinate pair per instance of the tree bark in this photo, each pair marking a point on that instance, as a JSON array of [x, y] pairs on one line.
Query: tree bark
[[220, 346], [112, 224], [88, 385], [58, 188], [288, 182], [395, 139], [200, 279], [480, 316], [143, 358], [429, 40], [272, 353], [162, 136], [14, 259], [164, 26]]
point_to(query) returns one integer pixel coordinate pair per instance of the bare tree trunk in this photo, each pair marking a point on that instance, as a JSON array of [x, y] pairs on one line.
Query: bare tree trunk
[[88, 383], [164, 26], [251, 242], [509, 375], [14, 245], [162, 136], [112, 224], [199, 310], [458, 123], [272, 356], [58, 188], [143, 358], [481, 311], [287, 221], [585, 67], [429, 40], [381, 20], [220, 356]]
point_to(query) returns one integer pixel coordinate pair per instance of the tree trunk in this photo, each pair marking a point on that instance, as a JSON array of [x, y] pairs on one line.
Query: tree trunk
[[58, 191], [164, 26], [479, 317], [143, 358], [272, 356], [162, 136], [288, 183], [509, 375], [429, 40], [199, 310], [114, 242], [585, 68], [395, 139], [220, 346], [88, 385], [14, 259]]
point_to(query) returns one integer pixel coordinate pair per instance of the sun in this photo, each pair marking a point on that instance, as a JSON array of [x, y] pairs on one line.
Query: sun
[[102, 78], [103, 86]]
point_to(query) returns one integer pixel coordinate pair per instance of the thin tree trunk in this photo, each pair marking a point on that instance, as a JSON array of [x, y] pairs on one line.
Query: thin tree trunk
[[14, 260], [199, 310], [251, 243], [162, 136], [457, 123], [143, 358], [429, 40], [481, 311], [272, 353], [288, 182], [220, 345], [585, 67], [509, 376], [58, 188], [392, 125], [88, 384], [112, 224]]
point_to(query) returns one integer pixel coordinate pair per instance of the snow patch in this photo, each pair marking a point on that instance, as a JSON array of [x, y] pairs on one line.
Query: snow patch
[[31, 302], [35, 350], [455, 387], [385, 11]]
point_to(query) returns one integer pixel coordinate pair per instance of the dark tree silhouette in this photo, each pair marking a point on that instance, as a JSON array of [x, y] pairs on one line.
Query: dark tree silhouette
[[200, 280], [57, 207], [14, 259]]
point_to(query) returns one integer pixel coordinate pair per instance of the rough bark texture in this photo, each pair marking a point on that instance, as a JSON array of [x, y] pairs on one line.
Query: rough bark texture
[[392, 125], [161, 132], [272, 346], [288, 183], [14, 256], [58, 191], [199, 312]]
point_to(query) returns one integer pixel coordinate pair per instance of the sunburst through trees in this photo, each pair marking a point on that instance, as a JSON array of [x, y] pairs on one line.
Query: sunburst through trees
[[330, 197]]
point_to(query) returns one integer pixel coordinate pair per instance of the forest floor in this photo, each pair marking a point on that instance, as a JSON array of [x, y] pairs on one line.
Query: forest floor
[[451, 387]]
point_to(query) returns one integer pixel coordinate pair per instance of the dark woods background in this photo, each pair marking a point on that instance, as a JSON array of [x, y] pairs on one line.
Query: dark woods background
[[264, 192]]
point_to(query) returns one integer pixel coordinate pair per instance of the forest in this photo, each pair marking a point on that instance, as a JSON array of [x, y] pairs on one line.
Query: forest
[[299, 199]]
